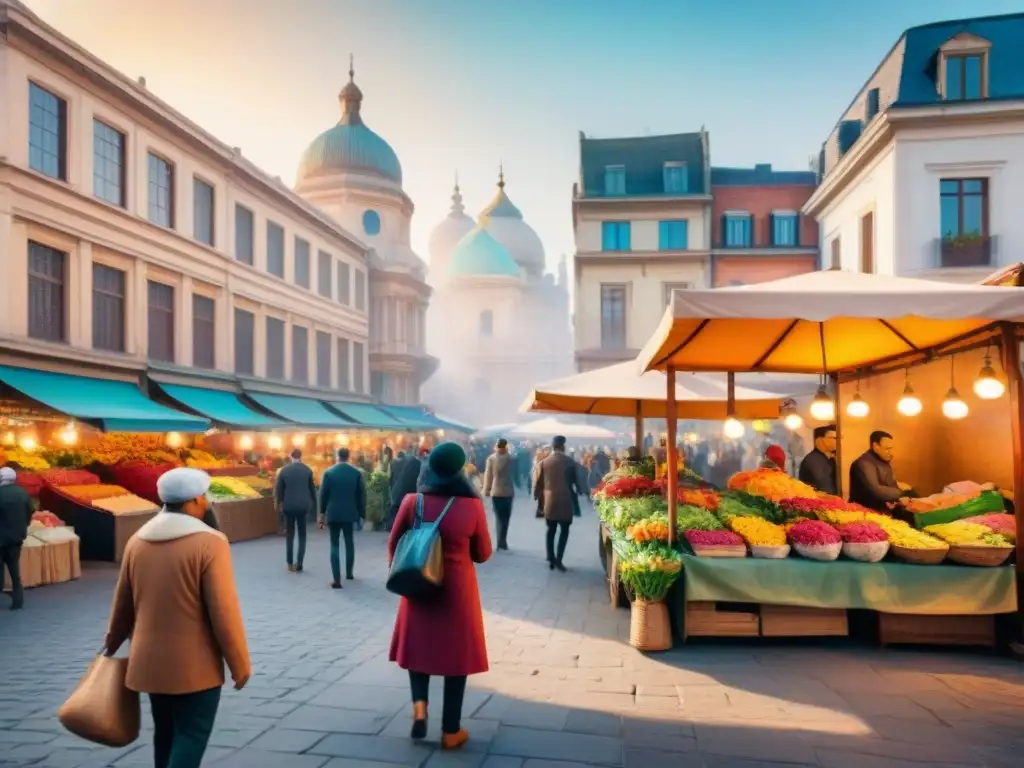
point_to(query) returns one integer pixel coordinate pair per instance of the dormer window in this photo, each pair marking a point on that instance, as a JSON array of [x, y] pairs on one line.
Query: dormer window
[[615, 179], [676, 179], [963, 68]]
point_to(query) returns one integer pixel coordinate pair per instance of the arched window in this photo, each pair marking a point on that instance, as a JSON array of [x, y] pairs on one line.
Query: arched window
[[487, 323]]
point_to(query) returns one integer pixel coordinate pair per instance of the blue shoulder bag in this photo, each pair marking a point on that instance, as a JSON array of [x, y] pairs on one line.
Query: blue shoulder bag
[[417, 569]]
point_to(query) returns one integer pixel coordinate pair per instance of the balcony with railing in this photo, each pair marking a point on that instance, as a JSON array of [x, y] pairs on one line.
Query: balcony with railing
[[965, 251]]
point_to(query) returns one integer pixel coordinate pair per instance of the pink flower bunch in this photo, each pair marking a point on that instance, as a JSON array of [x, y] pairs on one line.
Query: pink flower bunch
[[813, 533], [862, 533], [1000, 522], [713, 538]]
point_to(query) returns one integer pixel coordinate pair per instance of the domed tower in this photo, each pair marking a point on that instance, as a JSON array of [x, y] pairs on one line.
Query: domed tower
[[504, 221], [446, 235], [354, 176]]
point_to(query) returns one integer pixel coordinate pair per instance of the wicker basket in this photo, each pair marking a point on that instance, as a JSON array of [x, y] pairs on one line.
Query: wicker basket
[[866, 551], [768, 552], [823, 552], [968, 554], [649, 626], [919, 556]]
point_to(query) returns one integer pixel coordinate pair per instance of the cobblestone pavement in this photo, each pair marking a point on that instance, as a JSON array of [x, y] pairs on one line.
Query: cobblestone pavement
[[564, 690]]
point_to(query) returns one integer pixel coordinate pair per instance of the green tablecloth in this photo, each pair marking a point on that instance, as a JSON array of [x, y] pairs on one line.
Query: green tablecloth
[[950, 590]]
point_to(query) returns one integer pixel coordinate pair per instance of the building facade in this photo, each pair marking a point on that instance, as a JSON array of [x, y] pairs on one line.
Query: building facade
[[130, 239], [759, 232], [922, 172], [643, 227]]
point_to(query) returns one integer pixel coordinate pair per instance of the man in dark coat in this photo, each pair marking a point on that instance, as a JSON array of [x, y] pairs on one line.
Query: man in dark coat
[[557, 491], [342, 504], [405, 471], [295, 498], [15, 516], [872, 482], [818, 469], [602, 463]]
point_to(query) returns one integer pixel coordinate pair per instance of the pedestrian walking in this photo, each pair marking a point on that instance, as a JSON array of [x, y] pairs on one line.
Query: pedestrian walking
[[499, 485], [295, 498], [342, 505], [175, 598], [557, 494], [15, 516], [404, 475], [444, 635]]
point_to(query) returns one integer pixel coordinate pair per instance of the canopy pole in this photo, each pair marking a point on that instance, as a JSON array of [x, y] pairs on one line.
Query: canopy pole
[[672, 472], [1011, 363], [839, 437], [638, 427]]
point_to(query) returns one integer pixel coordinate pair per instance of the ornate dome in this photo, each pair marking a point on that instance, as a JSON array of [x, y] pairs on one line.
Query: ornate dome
[[480, 255], [504, 221], [350, 145], [446, 235]]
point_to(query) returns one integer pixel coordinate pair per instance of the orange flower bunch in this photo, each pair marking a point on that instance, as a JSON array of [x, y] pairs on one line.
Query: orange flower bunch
[[771, 484], [90, 493], [699, 498], [651, 529]]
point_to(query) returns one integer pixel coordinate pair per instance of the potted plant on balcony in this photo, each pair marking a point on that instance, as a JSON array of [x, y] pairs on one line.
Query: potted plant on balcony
[[970, 249]]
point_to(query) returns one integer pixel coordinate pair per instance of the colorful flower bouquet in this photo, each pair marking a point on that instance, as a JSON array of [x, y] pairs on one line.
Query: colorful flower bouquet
[[865, 542], [654, 529], [815, 540], [627, 488], [649, 573], [771, 484], [972, 544], [716, 543], [765, 539]]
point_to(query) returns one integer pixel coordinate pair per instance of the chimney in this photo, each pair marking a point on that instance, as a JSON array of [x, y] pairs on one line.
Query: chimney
[[142, 81]]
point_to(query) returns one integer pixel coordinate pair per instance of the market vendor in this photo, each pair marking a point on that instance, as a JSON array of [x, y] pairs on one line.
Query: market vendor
[[872, 481], [818, 469]]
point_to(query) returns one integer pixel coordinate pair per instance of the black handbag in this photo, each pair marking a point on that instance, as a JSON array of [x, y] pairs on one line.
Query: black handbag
[[417, 569]]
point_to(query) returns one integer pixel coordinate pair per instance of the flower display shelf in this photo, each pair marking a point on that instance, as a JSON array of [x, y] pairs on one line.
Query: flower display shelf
[[719, 550], [979, 555]]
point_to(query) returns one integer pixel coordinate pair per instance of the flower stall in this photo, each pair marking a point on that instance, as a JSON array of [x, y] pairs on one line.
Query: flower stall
[[50, 554], [927, 577]]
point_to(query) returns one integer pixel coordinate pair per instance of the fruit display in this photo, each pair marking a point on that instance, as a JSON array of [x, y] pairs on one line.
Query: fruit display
[[771, 484], [651, 529], [127, 504], [257, 483], [87, 494], [116, 448], [203, 460], [228, 488]]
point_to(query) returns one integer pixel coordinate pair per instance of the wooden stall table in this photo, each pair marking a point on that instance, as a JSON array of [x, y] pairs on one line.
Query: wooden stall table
[[246, 519], [48, 563]]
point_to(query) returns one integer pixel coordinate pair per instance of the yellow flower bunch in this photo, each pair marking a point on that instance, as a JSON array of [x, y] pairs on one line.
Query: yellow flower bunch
[[969, 534], [840, 516], [27, 461], [223, 486], [757, 532], [911, 538]]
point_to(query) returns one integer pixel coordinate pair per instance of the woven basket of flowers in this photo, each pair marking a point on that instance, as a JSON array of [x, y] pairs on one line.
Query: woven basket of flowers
[[649, 572], [980, 554], [972, 544], [919, 555]]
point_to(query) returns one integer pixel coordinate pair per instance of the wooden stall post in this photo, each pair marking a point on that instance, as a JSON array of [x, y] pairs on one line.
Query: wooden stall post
[[638, 426], [1011, 363], [672, 473], [839, 438]]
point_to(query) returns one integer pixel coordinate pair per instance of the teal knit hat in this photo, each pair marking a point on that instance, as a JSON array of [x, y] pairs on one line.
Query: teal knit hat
[[447, 459]]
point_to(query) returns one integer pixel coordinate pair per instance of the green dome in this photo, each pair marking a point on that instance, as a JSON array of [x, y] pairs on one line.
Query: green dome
[[350, 145], [479, 254]]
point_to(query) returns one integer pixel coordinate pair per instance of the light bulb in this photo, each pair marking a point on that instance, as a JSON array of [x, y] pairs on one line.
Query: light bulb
[[245, 442], [988, 386], [953, 407], [9, 438], [857, 408], [793, 421], [174, 440], [69, 436], [822, 407], [733, 429], [909, 404], [28, 443], [274, 443], [298, 440]]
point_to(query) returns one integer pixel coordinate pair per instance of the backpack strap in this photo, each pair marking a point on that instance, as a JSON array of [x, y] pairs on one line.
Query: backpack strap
[[444, 511], [417, 519]]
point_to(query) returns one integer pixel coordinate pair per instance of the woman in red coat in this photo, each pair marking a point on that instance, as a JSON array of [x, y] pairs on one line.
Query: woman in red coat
[[444, 634]]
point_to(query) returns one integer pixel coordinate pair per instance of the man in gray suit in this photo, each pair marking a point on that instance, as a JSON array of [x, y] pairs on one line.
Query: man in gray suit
[[557, 492], [342, 503], [295, 498]]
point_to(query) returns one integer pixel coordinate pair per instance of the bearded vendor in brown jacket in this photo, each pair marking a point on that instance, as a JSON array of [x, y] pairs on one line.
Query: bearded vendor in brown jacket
[[176, 600]]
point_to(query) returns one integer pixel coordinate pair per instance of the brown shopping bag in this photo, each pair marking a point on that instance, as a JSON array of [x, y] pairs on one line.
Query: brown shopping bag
[[102, 709]]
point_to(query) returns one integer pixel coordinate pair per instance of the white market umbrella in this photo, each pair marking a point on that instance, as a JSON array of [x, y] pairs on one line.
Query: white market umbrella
[[553, 427]]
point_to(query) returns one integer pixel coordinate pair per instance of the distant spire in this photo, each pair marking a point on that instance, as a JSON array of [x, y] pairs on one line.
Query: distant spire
[[351, 68], [458, 209], [351, 97], [501, 175]]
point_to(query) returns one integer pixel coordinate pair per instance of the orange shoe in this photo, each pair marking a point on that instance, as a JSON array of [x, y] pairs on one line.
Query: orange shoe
[[454, 740]]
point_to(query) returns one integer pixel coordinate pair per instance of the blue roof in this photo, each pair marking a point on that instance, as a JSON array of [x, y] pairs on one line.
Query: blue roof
[[424, 419], [366, 415], [219, 406], [350, 148], [761, 176], [113, 406], [301, 410], [644, 158], [478, 253]]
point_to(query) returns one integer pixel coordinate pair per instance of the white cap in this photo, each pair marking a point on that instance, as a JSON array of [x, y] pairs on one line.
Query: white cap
[[7, 476], [182, 484]]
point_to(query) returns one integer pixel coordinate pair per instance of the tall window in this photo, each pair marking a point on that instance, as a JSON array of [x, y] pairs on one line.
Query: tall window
[[108, 177], [615, 236], [47, 133], [203, 331], [301, 262], [965, 77], [275, 249], [737, 230], [964, 208], [378, 385], [324, 278], [487, 323], [836, 253], [275, 348], [344, 283], [161, 321], [785, 229], [202, 211], [867, 243], [300, 354], [360, 291], [107, 308], [344, 356], [323, 359], [670, 287], [245, 347], [615, 180], [613, 317], [47, 273], [243, 235], [358, 377], [676, 179], [161, 191], [672, 235]]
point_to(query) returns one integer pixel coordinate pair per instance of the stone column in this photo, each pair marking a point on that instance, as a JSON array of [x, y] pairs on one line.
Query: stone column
[[139, 310], [183, 322], [79, 296], [224, 332], [259, 344], [288, 347]]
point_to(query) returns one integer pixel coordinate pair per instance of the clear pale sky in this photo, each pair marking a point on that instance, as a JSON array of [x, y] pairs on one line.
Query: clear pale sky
[[466, 84]]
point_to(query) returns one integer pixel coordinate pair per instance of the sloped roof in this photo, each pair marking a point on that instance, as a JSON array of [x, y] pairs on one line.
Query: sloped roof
[[644, 158], [761, 176]]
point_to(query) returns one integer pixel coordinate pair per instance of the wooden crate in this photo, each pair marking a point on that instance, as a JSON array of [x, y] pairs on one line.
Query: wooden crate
[[793, 621], [896, 628], [709, 619]]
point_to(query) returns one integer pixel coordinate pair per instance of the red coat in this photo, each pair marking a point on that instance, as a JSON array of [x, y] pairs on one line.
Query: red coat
[[444, 635]]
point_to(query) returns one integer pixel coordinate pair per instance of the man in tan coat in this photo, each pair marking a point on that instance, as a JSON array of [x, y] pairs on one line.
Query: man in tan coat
[[499, 484], [176, 599]]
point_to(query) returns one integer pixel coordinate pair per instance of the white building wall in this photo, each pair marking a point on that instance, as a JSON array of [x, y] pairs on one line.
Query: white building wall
[[643, 228]]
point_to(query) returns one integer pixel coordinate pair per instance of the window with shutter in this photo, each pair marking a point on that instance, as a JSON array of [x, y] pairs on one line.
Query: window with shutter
[[245, 331], [344, 284], [275, 348], [108, 291], [358, 376], [323, 359], [161, 321], [203, 331], [47, 272], [275, 249], [324, 277], [301, 262], [344, 357], [243, 235], [300, 354]]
